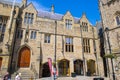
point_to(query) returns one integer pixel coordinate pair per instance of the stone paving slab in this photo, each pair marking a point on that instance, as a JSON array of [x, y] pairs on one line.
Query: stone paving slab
[[68, 78], [71, 78]]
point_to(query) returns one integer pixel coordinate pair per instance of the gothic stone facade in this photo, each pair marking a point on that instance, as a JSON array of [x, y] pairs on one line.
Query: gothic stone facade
[[71, 43], [110, 13]]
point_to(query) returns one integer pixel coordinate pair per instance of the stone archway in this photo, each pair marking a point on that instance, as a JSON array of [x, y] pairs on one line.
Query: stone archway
[[0, 62], [45, 70], [24, 57], [64, 69], [91, 68], [78, 67]]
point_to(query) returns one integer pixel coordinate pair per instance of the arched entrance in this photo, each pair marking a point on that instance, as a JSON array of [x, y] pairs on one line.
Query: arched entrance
[[64, 68], [0, 62], [46, 70], [91, 67], [78, 67], [24, 58]]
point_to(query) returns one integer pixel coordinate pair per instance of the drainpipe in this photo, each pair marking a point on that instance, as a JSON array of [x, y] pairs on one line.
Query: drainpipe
[[104, 36], [10, 47], [110, 51], [84, 66], [95, 53], [55, 68]]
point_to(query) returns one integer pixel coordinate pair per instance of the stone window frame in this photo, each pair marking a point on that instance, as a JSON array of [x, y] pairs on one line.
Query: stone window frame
[[86, 45], [3, 23], [117, 18], [0, 26], [47, 38], [28, 18], [19, 34], [68, 23], [33, 35], [84, 26], [69, 44]]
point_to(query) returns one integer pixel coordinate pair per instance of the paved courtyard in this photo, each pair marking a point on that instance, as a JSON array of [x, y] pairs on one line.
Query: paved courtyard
[[66, 78], [71, 78]]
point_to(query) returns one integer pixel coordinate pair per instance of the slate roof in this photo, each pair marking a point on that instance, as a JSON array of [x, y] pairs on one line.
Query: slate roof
[[54, 16], [42, 14], [10, 3]]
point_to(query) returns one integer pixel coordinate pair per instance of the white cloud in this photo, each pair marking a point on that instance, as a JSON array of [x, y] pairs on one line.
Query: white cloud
[[37, 4], [13, 0]]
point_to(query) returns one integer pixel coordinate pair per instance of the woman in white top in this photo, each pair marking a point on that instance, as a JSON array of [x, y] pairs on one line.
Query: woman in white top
[[18, 76]]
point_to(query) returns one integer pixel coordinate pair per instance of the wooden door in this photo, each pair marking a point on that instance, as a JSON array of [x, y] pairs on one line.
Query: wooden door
[[91, 66], [24, 57], [64, 68], [46, 70], [0, 62], [78, 67]]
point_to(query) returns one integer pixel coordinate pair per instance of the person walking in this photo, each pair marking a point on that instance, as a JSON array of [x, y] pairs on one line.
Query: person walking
[[18, 76], [7, 76]]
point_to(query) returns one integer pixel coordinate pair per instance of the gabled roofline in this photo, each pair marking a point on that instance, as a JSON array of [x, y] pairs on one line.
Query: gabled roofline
[[33, 6], [67, 12], [84, 14]]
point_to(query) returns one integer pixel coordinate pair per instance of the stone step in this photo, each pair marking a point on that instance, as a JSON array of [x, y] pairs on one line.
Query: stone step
[[26, 74]]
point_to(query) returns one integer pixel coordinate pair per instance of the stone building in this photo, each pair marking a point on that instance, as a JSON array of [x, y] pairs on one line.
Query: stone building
[[110, 15], [36, 36], [102, 51]]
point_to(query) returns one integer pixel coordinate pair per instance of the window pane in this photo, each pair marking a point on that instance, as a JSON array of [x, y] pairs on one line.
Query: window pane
[[25, 18], [71, 41], [68, 24], [67, 40], [86, 45], [1, 38], [118, 20], [47, 38], [31, 35], [34, 35], [3, 29], [69, 44], [31, 21], [85, 26], [0, 27], [21, 34]]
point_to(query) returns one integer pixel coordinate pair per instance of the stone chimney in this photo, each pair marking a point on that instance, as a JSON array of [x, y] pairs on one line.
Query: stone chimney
[[24, 2], [52, 9]]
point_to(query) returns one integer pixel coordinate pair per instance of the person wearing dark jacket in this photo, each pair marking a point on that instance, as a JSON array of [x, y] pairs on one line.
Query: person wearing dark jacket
[[7, 76]]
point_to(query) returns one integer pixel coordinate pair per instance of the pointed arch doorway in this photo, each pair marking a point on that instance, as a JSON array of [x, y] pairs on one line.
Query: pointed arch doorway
[[91, 68], [78, 67], [24, 58], [46, 70], [64, 67]]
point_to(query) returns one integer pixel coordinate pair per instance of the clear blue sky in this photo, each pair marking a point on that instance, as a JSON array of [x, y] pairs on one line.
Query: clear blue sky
[[76, 7]]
